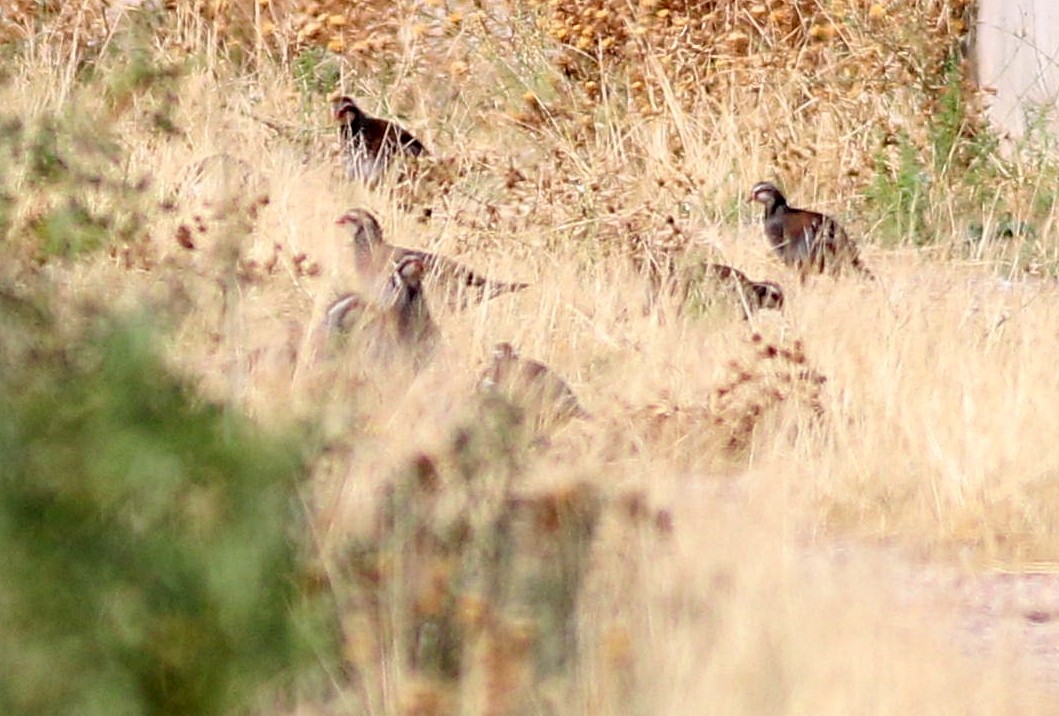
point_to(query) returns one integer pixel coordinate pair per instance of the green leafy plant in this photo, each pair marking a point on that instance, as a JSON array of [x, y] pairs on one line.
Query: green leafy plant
[[949, 120], [316, 71], [898, 192], [70, 230], [150, 565]]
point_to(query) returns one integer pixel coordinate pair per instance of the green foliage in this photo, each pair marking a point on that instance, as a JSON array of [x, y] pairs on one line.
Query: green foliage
[[898, 192], [129, 71], [44, 162], [69, 163], [1039, 142], [964, 149], [69, 230], [1037, 152], [960, 154], [7, 203], [133, 74], [149, 566], [70, 169], [316, 71], [948, 122], [708, 296]]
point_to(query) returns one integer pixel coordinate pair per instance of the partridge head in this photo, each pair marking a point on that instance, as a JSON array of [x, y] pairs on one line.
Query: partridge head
[[366, 238]]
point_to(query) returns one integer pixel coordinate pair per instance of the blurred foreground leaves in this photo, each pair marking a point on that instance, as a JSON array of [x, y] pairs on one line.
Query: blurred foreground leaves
[[149, 564]]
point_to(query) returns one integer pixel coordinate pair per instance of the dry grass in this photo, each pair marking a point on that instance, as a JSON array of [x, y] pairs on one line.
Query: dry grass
[[722, 456]]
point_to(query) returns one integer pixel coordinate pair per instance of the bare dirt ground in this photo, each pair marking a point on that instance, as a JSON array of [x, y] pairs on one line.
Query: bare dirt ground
[[989, 615]]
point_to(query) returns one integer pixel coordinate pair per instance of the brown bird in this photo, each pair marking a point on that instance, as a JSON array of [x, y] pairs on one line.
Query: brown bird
[[534, 385], [807, 240], [369, 144], [404, 298], [398, 317], [457, 285], [748, 295]]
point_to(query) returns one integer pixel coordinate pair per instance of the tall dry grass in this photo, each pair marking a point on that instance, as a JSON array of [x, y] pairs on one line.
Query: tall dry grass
[[717, 474]]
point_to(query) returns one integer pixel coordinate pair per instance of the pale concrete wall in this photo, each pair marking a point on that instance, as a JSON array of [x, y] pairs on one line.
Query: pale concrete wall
[[1016, 53]]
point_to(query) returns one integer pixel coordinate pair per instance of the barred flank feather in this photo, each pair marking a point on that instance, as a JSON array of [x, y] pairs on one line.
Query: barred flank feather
[[458, 285]]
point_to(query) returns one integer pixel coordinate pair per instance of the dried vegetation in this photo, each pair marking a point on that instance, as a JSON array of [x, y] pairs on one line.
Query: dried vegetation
[[177, 159]]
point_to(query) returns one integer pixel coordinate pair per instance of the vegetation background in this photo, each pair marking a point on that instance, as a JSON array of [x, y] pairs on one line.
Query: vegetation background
[[847, 507]]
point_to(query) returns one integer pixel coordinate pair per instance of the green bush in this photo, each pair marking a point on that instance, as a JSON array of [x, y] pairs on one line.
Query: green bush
[[899, 193], [149, 562], [317, 71]]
